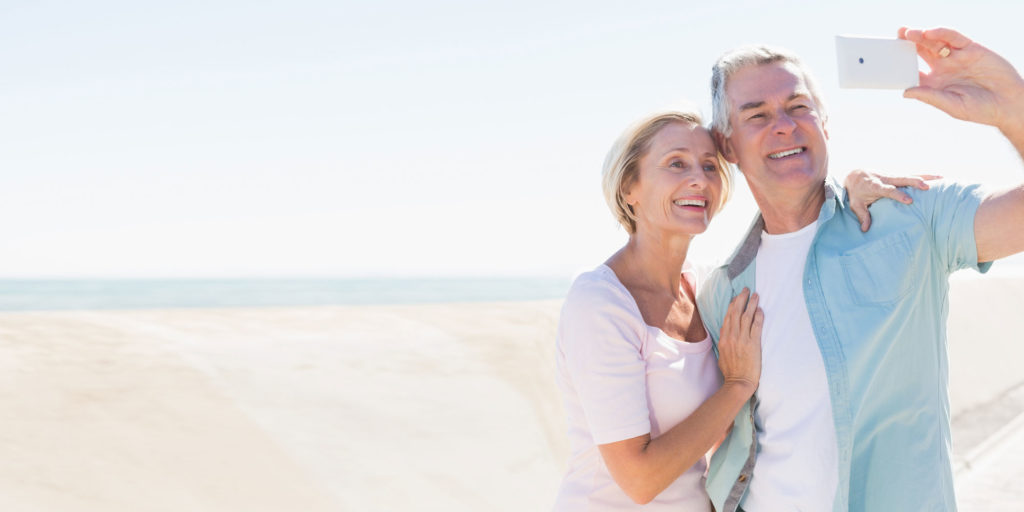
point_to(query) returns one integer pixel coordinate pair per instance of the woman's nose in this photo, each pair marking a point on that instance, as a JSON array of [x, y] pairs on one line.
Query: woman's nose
[[697, 179]]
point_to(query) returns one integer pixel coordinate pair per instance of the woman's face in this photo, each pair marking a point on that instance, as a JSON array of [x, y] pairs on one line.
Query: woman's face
[[679, 182]]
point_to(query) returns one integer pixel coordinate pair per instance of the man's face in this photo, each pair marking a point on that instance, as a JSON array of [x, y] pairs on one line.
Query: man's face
[[778, 135]]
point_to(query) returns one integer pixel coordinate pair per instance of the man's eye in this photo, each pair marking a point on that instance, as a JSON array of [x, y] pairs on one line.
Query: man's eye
[[757, 116], [803, 107]]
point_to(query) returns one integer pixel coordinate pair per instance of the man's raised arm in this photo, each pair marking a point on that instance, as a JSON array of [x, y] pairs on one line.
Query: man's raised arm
[[973, 83]]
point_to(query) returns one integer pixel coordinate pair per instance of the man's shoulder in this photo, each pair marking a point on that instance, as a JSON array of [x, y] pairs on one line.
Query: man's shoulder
[[715, 274], [944, 197], [941, 192]]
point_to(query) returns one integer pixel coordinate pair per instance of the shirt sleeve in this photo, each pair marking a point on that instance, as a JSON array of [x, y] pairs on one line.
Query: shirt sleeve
[[601, 339], [950, 209]]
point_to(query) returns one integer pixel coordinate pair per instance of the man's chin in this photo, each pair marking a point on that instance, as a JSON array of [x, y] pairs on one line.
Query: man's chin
[[787, 186]]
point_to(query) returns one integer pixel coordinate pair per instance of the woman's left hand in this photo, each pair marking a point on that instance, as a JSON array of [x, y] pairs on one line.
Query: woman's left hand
[[866, 187]]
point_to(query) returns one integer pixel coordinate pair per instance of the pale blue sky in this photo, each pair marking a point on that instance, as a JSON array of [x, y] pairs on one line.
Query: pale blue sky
[[308, 138]]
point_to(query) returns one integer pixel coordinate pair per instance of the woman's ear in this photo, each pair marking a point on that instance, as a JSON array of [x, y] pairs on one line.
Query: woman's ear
[[627, 191]]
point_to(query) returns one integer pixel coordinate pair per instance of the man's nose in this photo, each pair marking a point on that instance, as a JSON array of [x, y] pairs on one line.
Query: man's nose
[[784, 124]]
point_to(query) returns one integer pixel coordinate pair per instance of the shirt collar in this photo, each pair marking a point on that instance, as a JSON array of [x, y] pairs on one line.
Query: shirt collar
[[747, 250]]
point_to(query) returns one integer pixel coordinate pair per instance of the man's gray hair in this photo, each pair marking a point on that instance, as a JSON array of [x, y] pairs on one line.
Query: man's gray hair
[[739, 58]]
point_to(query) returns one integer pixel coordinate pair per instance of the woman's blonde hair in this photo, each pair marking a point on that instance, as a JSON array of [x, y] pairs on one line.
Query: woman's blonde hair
[[621, 166]]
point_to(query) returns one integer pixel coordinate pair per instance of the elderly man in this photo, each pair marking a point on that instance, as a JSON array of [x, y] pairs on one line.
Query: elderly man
[[852, 410]]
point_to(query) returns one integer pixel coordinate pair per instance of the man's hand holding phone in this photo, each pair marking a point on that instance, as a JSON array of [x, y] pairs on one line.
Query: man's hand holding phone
[[967, 80]]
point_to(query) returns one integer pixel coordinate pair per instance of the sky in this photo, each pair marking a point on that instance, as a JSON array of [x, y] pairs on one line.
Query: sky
[[307, 138]]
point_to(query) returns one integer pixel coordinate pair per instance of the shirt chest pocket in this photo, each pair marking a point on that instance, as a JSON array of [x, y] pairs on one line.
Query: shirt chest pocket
[[881, 272]]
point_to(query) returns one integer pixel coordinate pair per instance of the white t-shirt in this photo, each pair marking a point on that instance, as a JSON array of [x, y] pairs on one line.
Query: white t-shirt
[[797, 457], [621, 378]]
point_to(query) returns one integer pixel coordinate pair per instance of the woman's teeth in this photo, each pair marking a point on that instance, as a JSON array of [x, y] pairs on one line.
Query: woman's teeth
[[690, 202]]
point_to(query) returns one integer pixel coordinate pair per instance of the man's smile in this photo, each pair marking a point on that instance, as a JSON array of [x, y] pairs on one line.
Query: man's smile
[[787, 152]]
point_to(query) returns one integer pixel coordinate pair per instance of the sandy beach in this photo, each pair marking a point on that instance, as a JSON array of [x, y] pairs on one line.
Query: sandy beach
[[442, 407]]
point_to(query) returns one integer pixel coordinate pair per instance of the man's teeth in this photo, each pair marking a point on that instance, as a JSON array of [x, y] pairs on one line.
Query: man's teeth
[[783, 154], [690, 202]]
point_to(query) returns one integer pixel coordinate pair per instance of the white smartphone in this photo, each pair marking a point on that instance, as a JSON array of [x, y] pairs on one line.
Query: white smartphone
[[876, 63]]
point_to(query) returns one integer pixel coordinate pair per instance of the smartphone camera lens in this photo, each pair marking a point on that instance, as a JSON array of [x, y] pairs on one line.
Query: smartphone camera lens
[[861, 60]]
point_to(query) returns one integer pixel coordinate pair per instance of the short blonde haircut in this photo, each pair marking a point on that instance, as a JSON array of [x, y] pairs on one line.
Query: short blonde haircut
[[622, 165]]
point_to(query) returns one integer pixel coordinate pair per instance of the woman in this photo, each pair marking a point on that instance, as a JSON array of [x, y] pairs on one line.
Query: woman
[[645, 397]]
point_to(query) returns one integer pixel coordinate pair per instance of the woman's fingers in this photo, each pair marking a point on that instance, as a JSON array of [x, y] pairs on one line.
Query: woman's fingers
[[887, 190], [731, 324], [866, 188], [755, 329], [881, 186], [739, 304], [744, 318], [863, 215], [730, 313], [748, 315], [917, 182], [739, 359]]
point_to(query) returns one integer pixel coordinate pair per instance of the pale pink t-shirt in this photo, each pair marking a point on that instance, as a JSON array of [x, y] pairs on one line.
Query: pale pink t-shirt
[[621, 378]]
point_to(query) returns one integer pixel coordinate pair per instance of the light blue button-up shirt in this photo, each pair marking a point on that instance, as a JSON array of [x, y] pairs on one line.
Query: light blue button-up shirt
[[878, 305]]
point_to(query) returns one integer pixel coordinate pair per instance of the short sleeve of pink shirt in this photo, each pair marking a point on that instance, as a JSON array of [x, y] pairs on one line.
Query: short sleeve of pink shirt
[[601, 340]]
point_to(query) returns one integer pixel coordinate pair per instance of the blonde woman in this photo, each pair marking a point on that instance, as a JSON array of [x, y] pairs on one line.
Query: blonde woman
[[645, 396]]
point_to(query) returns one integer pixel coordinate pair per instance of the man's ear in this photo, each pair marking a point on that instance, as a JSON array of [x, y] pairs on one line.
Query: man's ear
[[725, 146]]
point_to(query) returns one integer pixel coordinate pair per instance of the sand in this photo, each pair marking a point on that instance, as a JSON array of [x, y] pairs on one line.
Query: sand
[[442, 407]]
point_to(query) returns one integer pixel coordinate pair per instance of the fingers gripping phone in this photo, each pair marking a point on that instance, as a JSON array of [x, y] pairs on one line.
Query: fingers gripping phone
[[876, 63]]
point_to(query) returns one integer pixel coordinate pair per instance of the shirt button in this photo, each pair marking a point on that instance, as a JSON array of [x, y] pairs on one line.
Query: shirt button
[[743, 478]]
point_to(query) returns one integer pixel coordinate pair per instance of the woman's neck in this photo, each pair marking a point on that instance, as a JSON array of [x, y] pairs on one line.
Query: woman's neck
[[652, 263]]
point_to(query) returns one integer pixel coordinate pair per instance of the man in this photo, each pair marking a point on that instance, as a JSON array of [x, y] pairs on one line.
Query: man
[[852, 410]]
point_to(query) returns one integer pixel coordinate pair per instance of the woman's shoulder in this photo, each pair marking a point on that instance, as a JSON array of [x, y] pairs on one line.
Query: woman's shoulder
[[599, 307], [597, 286], [599, 291]]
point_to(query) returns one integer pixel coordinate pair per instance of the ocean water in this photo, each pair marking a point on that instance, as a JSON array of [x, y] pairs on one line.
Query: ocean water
[[69, 294], [40, 295]]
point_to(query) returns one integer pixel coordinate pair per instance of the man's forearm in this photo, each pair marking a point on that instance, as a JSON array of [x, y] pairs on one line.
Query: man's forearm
[[1016, 137], [997, 223]]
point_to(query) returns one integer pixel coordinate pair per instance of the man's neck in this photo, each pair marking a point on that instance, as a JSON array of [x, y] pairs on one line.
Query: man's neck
[[787, 213]]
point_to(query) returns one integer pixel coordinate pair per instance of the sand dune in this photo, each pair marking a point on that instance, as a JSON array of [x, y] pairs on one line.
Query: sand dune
[[427, 407]]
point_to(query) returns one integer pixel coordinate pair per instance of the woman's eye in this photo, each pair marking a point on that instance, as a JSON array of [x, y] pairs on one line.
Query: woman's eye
[[677, 164], [710, 167]]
